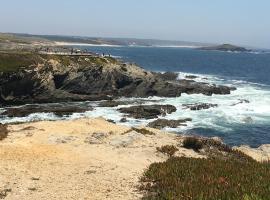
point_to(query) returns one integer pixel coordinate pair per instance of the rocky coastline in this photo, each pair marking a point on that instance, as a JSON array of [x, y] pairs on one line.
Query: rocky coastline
[[41, 78]]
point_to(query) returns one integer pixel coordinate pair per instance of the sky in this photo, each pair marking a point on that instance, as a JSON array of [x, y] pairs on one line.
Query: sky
[[242, 22]]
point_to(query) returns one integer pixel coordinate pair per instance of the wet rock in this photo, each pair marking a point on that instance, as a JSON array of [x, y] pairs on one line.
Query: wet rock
[[111, 121], [162, 123], [58, 110], [241, 101], [123, 120], [191, 77], [199, 106], [148, 111], [193, 87], [110, 103]]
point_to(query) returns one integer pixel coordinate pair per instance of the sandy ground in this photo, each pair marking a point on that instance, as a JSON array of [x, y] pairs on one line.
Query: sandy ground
[[80, 159]]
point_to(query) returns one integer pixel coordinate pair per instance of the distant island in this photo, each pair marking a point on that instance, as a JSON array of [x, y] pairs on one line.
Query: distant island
[[225, 47]]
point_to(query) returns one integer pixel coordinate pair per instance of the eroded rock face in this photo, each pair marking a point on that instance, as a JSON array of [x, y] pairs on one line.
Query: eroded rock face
[[199, 106], [81, 78], [162, 123], [148, 111]]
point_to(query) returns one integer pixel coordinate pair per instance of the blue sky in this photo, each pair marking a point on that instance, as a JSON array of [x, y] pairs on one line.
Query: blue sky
[[244, 22]]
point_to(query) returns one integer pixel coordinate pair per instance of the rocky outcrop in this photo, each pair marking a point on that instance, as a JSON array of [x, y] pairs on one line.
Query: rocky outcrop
[[199, 106], [193, 87], [59, 110], [168, 76], [162, 123], [59, 78], [147, 111]]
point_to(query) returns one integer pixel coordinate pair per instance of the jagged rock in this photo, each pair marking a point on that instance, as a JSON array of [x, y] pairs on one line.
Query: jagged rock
[[168, 76], [162, 123], [148, 111], [59, 78], [193, 87], [199, 106]]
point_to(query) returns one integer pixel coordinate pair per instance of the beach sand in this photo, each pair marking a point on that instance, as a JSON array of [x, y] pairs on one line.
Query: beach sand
[[80, 159]]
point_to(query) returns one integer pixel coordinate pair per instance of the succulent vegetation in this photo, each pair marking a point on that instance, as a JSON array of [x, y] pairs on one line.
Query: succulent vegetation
[[226, 174], [169, 150], [207, 179]]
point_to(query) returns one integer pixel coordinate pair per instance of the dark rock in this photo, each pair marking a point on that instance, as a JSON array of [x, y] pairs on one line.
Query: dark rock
[[199, 106], [191, 77], [24, 111], [110, 103], [192, 87], [123, 120], [111, 121], [148, 111], [168, 76], [241, 101], [162, 123]]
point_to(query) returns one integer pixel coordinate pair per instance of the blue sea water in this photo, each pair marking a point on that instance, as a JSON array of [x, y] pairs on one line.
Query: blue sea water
[[247, 123], [236, 123]]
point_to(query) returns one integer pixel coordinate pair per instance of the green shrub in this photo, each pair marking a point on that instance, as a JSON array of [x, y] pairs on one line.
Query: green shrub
[[167, 149], [206, 179], [192, 143]]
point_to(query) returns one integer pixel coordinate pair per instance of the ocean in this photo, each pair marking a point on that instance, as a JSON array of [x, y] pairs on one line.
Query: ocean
[[236, 123]]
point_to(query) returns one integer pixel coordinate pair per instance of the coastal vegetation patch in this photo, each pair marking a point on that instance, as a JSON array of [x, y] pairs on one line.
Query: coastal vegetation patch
[[226, 174], [206, 179], [169, 150]]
